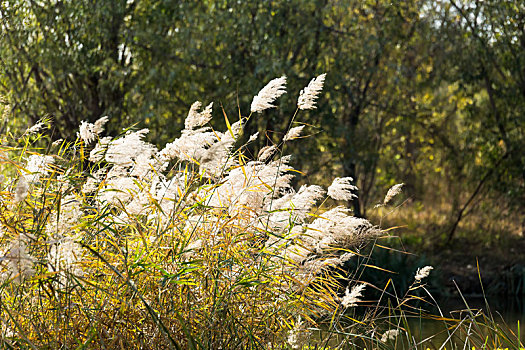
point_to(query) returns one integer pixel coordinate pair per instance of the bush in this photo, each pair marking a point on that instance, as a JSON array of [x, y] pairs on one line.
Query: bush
[[111, 242]]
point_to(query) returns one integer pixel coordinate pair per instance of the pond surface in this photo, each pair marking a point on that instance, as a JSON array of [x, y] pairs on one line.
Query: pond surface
[[506, 311], [433, 334]]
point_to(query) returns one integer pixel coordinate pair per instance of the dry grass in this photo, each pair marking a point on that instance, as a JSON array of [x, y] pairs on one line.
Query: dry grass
[[120, 245]]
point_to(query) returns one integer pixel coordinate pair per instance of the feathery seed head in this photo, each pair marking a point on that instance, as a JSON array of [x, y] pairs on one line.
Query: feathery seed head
[[35, 128], [126, 150], [272, 91], [57, 142], [351, 298], [19, 261], [298, 336], [98, 127], [38, 165], [21, 191], [392, 192], [310, 93], [389, 335], [341, 189], [97, 153], [423, 273], [293, 133], [64, 257], [253, 137], [266, 152], [197, 119], [86, 132]]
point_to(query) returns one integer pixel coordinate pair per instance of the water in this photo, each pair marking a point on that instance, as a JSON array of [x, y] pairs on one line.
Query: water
[[506, 311], [432, 334]]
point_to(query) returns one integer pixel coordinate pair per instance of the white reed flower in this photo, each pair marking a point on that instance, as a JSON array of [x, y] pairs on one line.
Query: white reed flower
[[19, 262], [97, 153], [237, 128], [253, 137], [21, 190], [119, 190], [295, 206], [341, 189], [297, 253], [64, 254], [293, 133], [389, 335], [166, 192], [138, 204], [197, 119], [314, 266], [144, 164], [310, 93], [35, 128], [64, 257], [190, 146], [62, 221], [217, 158], [93, 181], [423, 273], [6, 331], [7, 109], [298, 336], [86, 132], [336, 228], [38, 165], [125, 150], [272, 91], [392, 192], [57, 142], [306, 198], [351, 298], [266, 152], [247, 186], [345, 257], [98, 127]]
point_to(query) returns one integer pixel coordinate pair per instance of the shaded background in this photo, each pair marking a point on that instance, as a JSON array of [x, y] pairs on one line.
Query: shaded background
[[428, 93]]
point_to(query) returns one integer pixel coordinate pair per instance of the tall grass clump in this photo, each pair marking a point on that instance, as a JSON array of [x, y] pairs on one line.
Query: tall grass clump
[[110, 242]]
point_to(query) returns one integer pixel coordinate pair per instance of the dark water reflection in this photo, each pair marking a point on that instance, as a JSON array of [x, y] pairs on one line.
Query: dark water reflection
[[506, 311], [432, 334]]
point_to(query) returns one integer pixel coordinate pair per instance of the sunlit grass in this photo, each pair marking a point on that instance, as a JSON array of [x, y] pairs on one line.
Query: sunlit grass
[[111, 243]]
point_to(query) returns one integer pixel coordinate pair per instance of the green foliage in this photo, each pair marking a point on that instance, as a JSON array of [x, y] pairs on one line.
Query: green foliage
[[422, 92]]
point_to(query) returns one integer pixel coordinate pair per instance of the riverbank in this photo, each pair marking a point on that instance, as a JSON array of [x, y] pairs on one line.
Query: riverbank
[[497, 247]]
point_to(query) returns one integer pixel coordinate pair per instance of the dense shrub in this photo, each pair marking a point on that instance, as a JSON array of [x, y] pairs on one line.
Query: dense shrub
[[111, 242]]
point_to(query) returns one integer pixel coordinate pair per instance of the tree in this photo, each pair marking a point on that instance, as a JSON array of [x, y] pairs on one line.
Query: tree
[[420, 92]]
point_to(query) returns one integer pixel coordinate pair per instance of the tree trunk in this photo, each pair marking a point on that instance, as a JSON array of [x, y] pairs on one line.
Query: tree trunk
[[349, 153]]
